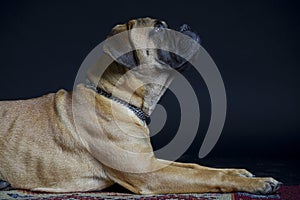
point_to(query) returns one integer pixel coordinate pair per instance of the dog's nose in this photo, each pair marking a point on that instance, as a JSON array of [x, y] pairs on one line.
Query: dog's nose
[[185, 29]]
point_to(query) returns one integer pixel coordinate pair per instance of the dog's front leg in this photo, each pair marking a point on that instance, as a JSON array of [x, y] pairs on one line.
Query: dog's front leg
[[191, 178], [230, 171], [128, 160]]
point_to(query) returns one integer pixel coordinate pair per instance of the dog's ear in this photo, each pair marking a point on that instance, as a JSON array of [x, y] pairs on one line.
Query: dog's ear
[[114, 46], [118, 29]]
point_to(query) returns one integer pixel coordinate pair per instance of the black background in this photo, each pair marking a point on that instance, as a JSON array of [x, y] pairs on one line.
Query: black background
[[255, 45]]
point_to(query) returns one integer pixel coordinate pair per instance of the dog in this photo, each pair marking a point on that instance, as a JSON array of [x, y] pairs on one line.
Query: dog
[[46, 146]]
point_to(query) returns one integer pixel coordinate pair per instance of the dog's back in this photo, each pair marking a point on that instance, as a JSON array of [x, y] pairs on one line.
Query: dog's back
[[38, 152]]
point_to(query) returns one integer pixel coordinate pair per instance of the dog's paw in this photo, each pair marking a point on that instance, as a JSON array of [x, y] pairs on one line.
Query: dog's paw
[[265, 185], [239, 172]]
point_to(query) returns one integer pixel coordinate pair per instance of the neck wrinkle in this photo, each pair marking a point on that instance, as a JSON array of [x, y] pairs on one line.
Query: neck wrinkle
[[123, 85]]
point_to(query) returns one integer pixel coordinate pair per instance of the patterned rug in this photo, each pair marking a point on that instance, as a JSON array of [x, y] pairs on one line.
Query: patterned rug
[[286, 193]]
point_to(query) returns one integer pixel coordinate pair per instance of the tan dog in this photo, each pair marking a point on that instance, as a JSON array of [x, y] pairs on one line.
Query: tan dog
[[43, 149]]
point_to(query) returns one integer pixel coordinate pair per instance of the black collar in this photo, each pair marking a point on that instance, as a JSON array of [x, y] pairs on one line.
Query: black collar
[[137, 111]]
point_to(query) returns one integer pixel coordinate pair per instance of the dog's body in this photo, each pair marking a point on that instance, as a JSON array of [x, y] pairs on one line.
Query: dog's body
[[42, 148]]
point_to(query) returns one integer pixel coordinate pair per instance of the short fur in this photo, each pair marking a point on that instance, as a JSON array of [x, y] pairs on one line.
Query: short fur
[[42, 149]]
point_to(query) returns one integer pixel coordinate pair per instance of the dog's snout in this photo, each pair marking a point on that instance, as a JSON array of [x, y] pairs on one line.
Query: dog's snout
[[185, 29]]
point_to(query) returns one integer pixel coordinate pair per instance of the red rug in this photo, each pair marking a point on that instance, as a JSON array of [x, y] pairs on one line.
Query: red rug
[[286, 193]]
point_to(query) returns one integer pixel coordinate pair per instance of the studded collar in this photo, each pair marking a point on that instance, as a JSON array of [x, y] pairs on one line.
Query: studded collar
[[137, 111]]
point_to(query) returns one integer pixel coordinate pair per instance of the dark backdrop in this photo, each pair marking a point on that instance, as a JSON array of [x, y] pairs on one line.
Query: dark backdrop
[[255, 45]]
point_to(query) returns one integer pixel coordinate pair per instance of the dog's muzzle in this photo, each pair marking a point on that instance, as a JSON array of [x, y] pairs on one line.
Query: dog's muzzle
[[185, 50]]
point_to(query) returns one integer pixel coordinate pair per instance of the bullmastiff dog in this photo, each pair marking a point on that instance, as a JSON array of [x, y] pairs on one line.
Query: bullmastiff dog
[[46, 146]]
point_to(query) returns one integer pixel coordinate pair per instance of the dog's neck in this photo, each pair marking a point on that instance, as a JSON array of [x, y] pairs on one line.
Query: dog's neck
[[139, 113], [142, 90]]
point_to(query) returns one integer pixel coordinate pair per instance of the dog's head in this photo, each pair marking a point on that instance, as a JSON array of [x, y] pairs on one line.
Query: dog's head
[[154, 34], [144, 53]]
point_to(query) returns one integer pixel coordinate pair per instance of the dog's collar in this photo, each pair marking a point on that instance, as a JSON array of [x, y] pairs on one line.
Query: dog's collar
[[137, 111]]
